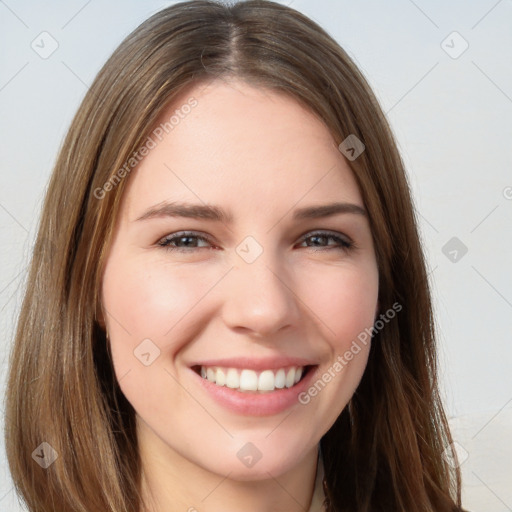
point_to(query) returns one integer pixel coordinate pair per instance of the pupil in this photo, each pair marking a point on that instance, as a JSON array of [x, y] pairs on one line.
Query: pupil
[[186, 238], [316, 237]]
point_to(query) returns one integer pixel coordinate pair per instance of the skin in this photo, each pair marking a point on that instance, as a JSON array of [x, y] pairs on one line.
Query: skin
[[259, 155]]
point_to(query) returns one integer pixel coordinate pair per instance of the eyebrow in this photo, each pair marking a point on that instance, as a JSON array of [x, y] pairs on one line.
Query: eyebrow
[[217, 214]]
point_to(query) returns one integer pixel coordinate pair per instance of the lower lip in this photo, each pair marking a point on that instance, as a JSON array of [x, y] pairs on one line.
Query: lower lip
[[257, 404]]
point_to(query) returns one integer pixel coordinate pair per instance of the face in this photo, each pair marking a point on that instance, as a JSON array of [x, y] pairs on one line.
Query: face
[[232, 297]]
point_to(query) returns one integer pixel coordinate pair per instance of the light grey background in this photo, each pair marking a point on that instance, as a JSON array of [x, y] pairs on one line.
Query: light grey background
[[451, 111]]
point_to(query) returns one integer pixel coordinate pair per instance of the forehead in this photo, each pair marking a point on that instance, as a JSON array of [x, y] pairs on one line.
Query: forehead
[[249, 146]]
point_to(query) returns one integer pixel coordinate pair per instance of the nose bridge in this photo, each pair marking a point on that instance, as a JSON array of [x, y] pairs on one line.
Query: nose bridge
[[259, 296]]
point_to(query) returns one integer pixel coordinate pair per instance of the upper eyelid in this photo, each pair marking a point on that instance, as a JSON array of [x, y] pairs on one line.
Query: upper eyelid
[[325, 232]]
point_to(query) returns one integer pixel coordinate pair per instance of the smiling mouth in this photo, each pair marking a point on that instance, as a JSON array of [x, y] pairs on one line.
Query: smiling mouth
[[246, 380]]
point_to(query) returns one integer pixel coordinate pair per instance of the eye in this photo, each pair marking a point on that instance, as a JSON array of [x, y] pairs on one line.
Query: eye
[[187, 241], [320, 237], [183, 241]]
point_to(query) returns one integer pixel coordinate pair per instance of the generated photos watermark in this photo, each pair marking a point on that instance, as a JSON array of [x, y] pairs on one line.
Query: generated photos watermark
[[343, 359], [151, 142]]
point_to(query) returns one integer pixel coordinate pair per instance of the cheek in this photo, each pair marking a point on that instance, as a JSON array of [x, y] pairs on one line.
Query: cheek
[[149, 307], [150, 300], [344, 302], [145, 300]]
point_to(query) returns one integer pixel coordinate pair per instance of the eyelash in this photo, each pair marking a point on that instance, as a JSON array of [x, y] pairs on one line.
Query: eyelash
[[344, 244]]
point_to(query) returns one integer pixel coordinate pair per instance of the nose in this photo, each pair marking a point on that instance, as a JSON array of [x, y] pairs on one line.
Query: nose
[[260, 299]]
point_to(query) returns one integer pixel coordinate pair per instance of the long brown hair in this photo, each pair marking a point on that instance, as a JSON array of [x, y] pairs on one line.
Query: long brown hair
[[385, 451]]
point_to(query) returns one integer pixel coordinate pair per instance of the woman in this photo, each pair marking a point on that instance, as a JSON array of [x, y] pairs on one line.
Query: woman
[[228, 306]]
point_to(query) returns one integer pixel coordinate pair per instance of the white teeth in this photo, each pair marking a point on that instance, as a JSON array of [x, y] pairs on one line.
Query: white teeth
[[249, 380], [210, 374], [266, 381], [232, 379], [290, 378], [280, 379], [219, 377]]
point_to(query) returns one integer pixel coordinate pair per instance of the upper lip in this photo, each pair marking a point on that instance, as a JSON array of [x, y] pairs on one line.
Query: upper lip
[[251, 363]]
